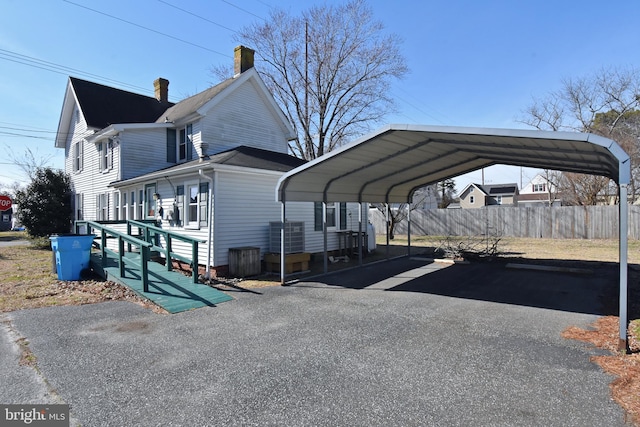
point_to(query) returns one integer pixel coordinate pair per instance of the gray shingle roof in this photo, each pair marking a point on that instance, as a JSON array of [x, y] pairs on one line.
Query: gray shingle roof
[[190, 105]]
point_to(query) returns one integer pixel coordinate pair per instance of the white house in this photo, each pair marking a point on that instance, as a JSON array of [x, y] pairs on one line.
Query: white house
[[539, 192], [210, 160]]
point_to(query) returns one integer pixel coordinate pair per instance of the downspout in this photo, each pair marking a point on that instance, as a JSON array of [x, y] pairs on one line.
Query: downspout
[[207, 274]]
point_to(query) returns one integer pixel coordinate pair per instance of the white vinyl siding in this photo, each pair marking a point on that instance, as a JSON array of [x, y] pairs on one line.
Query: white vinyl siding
[[143, 151], [82, 162], [244, 206], [226, 125]]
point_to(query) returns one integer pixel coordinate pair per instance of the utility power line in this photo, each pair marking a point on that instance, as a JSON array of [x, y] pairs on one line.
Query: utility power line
[[42, 64], [148, 29], [197, 16]]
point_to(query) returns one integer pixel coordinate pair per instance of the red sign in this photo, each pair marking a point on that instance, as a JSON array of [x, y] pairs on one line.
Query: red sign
[[5, 203]]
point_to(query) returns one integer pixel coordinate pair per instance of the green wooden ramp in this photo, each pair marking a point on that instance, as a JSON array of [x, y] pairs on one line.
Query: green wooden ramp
[[171, 290]]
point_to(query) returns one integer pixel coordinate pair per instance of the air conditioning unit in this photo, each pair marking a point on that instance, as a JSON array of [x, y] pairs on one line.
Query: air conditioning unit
[[294, 237]]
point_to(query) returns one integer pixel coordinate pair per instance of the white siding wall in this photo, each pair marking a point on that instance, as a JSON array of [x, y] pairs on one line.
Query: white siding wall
[[90, 180], [314, 240], [244, 206], [242, 118], [143, 151]]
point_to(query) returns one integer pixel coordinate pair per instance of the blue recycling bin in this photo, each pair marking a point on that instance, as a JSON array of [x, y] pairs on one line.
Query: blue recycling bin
[[72, 254]]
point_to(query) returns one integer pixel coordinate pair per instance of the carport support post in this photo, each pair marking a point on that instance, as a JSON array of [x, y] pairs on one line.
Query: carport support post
[[324, 233], [623, 241], [409, 229], [282, 240], [360, 237], [386, 220]]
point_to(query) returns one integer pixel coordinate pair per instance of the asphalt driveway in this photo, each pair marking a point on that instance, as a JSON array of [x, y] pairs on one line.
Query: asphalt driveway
[[404, 343]]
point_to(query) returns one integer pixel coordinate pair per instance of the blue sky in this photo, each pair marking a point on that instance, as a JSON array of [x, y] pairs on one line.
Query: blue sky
[[471, 63]]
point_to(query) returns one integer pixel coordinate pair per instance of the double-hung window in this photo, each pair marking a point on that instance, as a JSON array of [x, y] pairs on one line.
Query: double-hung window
[[105, 155], [76, 156], [185, 143], [132, 206], [79, 206], [102, 207], [196, 204], [335, 212], [116, 205], [140, 205]]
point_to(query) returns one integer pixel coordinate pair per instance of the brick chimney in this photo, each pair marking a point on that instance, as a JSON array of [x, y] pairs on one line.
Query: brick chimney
[[242, 59], [161, 87]]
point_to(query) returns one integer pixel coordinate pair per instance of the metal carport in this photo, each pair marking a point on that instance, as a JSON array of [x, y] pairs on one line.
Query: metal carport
[[387, 166]]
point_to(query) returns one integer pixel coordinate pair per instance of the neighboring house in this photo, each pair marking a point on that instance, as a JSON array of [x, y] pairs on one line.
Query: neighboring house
[[478, 196], [211, 160], [539, 192]]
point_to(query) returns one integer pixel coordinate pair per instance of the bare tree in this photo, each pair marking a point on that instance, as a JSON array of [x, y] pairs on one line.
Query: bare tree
[[553, 180], [330, 69], [606, 103], [399, 212], [447, 190], [30, 162]]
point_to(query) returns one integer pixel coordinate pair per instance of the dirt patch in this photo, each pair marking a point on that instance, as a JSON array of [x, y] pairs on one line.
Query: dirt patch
[[28, 281], [625, 389]]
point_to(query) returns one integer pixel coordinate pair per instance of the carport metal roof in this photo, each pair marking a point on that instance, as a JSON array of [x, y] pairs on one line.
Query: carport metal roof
[[390, 164]]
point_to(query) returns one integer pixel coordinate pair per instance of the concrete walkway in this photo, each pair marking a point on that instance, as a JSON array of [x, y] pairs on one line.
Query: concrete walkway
[[454, 346]]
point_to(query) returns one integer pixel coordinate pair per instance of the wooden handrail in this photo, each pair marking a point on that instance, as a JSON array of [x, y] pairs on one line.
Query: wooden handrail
[[122, 238], [150, 231]]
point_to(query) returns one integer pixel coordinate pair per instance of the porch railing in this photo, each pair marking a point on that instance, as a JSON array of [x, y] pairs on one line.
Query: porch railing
[[107, 233], [149, 234]]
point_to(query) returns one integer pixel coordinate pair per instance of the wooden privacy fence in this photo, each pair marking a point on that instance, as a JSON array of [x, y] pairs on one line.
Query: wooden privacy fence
[[562, 222]]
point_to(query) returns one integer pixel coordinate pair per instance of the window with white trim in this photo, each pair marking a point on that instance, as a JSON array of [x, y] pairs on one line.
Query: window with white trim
[[79, 201], [140, 205], [472, 199], [132, 206], [179, 205], [150, 201], [185, 143], [332, 217], [124, 206], [116, 205], [102, 207], [539, 188], [76, 156], [105, 155], [196, 204]]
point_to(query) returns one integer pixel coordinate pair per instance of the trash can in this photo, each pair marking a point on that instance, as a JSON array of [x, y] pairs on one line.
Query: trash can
[[72, 254]]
